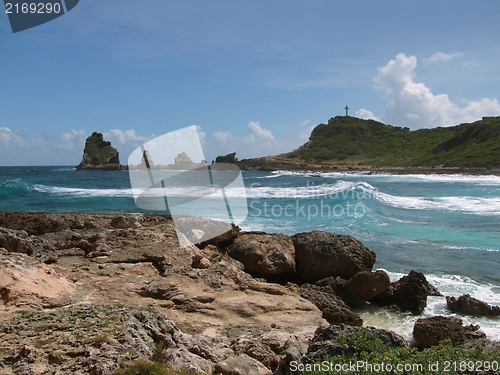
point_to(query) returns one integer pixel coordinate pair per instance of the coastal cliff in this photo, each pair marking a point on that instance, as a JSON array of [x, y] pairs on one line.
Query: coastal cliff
[[352, 144], [99, 155]]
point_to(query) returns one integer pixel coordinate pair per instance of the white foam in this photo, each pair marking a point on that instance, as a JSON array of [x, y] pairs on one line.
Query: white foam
[[472, 205]]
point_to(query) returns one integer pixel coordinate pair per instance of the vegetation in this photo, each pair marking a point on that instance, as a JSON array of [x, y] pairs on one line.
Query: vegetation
[[440, 359], [350, 140]]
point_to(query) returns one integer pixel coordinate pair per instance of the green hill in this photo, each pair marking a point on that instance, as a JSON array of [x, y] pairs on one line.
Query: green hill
[[351, 140]]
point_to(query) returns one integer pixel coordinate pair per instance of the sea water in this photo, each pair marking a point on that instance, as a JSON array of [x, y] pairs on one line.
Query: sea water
[[446, 226]]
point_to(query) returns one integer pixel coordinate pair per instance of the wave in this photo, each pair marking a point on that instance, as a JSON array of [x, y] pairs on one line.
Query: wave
[[465, 204], [13, 185], [408, 178]]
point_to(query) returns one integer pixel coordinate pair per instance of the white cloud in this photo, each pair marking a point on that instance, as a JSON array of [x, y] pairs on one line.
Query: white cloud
[[258, 133], [222, 137], [414, 105], [304, 123], [440, 58], [258, 142], [367, 115], [123, 137]]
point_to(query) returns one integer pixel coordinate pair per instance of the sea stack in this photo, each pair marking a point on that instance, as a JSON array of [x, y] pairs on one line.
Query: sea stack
[[99, 155]]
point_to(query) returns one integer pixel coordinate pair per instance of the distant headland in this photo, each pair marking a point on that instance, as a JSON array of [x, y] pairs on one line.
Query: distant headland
[[350, 144], [354, 144]]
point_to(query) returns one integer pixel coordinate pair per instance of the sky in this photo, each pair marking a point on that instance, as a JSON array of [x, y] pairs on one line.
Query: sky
[[254, 76]]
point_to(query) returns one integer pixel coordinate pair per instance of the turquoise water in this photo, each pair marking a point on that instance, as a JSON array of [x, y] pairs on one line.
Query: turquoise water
[[446, 226]]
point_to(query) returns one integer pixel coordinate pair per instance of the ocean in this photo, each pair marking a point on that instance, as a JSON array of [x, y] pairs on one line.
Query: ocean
[[446, 226]]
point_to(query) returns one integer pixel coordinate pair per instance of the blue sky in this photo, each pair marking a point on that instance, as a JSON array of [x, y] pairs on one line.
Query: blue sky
[[255, 76]]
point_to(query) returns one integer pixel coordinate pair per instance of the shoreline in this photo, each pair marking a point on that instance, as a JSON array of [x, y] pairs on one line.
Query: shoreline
[[130, 268], [282, 163]]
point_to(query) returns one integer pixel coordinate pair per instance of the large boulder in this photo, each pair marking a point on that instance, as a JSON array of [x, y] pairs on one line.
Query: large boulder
[[334, 310], [428, 332], [264, 253], [241, 365], [322, 254], [407, 294], [367, 285], [468, 305], [361, 288], [98, 154]]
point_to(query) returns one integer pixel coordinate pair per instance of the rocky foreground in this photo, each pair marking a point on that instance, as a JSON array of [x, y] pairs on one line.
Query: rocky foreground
[[88, 293]]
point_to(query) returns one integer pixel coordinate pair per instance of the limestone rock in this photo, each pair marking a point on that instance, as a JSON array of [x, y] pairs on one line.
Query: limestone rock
[[99, 155], [18, 241], [241, 365], [125, 222], [428, 332], [468, 305], [322, 254], [264, 253]]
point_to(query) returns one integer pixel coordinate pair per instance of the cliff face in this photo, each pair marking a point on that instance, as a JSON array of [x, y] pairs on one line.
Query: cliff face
[[99, 155]]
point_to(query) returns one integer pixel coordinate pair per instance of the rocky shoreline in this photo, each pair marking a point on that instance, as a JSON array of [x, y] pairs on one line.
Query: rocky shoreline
[[88, 293], [284, 163]]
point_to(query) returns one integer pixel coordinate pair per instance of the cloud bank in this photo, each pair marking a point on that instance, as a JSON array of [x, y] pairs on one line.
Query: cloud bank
[[414, 105]]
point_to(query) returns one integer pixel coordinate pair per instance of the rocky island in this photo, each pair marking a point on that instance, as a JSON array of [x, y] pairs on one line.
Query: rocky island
[[93, 293], [99, 155]]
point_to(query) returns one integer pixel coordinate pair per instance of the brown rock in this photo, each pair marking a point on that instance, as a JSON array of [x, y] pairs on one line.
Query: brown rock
[[428, 332], [322, 254], [334, 310], [407, 294], [468, 305], [367, 285], [263, 253]]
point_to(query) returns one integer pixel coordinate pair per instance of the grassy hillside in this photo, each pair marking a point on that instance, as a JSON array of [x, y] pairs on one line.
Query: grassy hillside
[[350, 140]]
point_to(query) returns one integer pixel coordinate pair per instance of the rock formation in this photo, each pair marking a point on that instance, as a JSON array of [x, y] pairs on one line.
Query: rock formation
[[130, 291], [99, 155], [468, 305], [322, 254], [428, 332], [407, 294], [229, 158]]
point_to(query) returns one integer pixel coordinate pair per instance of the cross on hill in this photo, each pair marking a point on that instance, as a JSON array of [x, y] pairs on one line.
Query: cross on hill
[[346, 110]]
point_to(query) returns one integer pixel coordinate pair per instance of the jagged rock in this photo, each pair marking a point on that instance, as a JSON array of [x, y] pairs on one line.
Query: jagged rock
[[334, 310], [264, 253], [18, 241], [468, 305], [229, 158], [257, 350], [407, 294], [206, 231], [124, 222], [99, 155], [322, 254], [428, 332], [241, 365], [182, 358], [156, 291], [327, 333]]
